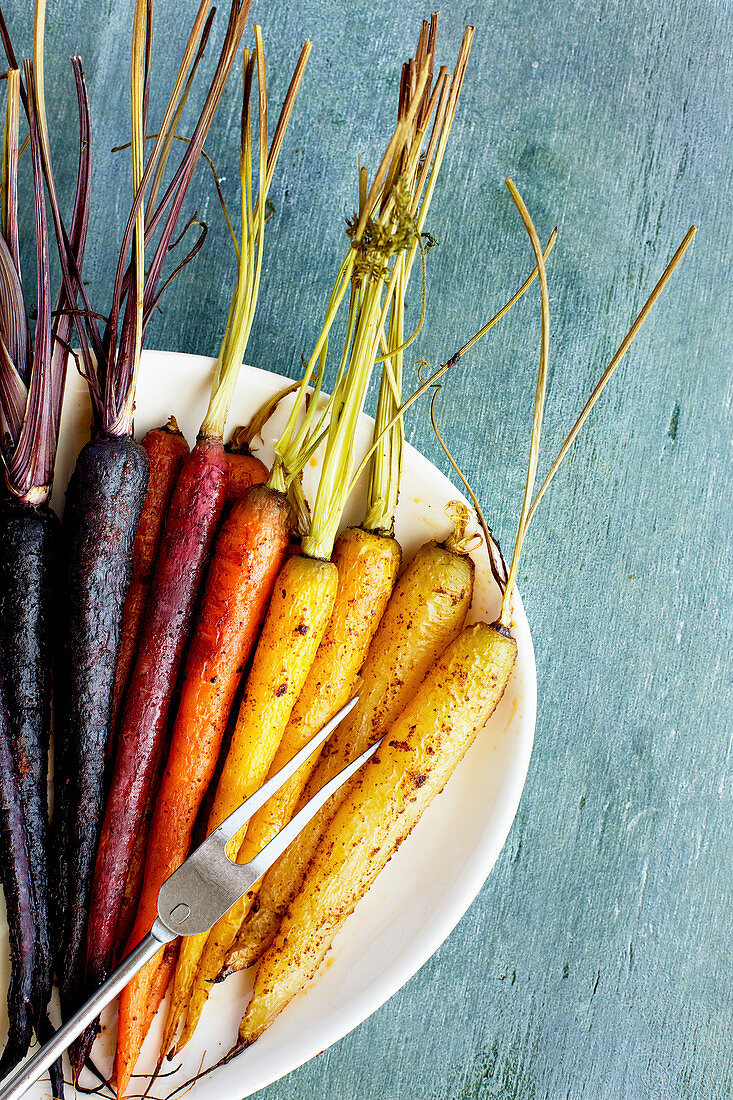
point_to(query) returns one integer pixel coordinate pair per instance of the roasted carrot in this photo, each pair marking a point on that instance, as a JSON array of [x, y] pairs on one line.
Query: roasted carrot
[[108, 486], [195, 509], [160, 983], [15, 867], [248, 555], [421, 749], [29, 559], [166, 449], [298, 612], [385, 800], [98, 534], [396, 661], [367, 567], [243, 471], [182, 583]]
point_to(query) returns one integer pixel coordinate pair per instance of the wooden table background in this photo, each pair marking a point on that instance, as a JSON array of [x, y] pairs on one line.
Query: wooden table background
[[596, 961]]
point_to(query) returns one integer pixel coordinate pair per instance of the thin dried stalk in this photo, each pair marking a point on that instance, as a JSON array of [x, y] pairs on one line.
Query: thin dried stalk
[[506, 602], [605, 377]]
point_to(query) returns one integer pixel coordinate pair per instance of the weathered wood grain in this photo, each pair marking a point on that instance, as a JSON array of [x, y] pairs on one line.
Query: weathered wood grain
[[596, 962]]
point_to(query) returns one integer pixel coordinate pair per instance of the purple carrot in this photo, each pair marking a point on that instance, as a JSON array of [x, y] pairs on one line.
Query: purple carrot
[[17, 885], [32, 374]]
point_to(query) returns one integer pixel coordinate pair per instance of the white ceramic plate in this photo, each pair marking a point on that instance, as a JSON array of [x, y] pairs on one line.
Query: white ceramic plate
[[427, 887]]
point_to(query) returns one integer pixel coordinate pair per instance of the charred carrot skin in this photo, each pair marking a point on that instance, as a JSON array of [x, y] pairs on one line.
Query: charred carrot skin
[[29, 550], [103, 504], [194, 513], [166, 449], [15, 868]]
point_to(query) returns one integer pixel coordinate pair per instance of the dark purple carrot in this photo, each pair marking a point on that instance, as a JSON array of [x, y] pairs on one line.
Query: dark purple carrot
[[108, 486], [18, 888], [29, 543], [32, 375], [103, 504]]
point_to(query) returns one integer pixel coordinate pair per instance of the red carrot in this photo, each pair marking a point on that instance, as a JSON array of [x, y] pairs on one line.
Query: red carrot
[[193, 517], [166, 449]]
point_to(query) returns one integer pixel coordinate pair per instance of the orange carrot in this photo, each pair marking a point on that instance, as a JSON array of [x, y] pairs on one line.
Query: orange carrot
[[244, 470], [249, 552], [158, 989], [166, 449]]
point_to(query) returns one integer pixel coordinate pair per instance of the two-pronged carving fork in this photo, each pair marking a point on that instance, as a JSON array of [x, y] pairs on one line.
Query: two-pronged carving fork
[[194, 898]]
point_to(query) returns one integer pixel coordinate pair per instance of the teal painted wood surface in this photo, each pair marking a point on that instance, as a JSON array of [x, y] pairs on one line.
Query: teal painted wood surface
[[596, 962]]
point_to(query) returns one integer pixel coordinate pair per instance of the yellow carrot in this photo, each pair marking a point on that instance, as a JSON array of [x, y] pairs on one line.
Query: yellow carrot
[[385, 800]]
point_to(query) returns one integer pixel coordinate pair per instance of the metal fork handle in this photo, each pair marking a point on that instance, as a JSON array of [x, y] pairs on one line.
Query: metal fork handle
[[29, 1072]]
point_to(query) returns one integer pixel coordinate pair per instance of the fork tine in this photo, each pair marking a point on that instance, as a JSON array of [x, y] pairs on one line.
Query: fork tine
[[243, 813], [272, 851]]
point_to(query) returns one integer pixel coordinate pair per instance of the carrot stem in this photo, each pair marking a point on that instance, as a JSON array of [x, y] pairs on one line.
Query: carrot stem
[[250, 252]]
